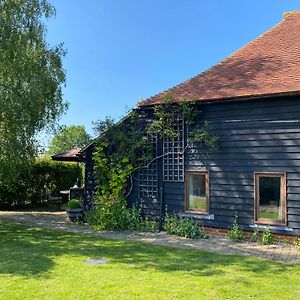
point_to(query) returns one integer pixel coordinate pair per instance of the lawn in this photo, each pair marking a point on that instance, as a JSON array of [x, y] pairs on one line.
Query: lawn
[[46, 264]]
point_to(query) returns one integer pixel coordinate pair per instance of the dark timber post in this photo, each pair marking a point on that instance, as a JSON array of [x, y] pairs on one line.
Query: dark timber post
[[161, 191]]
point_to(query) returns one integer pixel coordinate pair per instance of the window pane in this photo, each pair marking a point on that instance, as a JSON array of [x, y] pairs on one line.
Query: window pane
[[270, 202], [197, 192]]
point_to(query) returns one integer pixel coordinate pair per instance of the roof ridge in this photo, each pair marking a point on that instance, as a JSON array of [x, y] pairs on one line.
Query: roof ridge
[[289, 14]]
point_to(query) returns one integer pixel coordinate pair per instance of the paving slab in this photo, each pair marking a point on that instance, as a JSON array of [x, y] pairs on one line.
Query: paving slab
[[59, 221]]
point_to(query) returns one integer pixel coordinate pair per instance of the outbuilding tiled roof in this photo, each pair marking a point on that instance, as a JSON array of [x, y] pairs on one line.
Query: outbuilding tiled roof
[[70, 155], [269, 65]]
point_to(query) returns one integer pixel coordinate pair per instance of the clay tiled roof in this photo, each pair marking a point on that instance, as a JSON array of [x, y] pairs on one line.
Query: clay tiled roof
[[269, 65]]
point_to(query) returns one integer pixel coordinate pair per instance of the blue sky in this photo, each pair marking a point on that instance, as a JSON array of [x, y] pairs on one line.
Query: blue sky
[[122, 51]]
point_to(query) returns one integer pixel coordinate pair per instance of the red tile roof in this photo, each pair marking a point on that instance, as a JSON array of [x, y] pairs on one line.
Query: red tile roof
[[269, 65]]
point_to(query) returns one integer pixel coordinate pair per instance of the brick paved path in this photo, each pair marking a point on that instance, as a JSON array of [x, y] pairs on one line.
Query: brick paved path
[[59, 221]]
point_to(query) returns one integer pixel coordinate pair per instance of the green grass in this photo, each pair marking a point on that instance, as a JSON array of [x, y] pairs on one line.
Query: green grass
[[264, 213], [45, 264], [197, 202]]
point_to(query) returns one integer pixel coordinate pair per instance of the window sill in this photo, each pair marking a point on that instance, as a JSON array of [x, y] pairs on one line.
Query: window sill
[[272, 227], [269, 222], [197, 216]]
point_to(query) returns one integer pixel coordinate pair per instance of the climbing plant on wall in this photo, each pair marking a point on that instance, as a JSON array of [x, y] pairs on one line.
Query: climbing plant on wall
[[126, 146], [121, 149]]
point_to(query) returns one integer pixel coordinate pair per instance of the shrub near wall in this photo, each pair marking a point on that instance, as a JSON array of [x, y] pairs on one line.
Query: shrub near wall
[[30, 190]]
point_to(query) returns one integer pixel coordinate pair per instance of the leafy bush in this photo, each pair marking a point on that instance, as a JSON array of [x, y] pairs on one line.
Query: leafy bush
[[119, 217], [235, 234], [30, 190], [114, 218], [255, 235], [74, 203], [185, 227], [267, 237], [148, 225], [296, 243]]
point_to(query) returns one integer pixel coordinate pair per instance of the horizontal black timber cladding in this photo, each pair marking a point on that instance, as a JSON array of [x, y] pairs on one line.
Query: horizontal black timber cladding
[[249, 168], [293, 182], [244, 150], [236, 188], [294, 213], [293, 190], [230, 213], [174, 198], [295, 225], [248, 163], [249, 116], [225, 145], [254, 136], [260, 136], [244, 156], [173, 185], [173, 208], [245, 177], [255, 106], [266, 131], [224, 200], [283, 124], [232, 206], [293, 204], [244, 110], [171, 191], [224, 181]]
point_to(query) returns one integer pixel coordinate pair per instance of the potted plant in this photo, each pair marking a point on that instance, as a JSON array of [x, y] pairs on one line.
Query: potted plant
[[74, 210]]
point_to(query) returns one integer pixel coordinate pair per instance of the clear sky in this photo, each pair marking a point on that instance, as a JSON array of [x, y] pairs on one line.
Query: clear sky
[[122, 51]]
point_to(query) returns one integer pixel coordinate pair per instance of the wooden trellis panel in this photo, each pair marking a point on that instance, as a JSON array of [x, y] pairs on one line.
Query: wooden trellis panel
[[148, 176], [173, 160]]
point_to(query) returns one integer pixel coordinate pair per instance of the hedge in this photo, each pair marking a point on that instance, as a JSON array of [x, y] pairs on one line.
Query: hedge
[[30, 188]]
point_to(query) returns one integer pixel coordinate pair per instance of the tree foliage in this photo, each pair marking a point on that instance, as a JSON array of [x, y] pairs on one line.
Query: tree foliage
[[31, 79], [73, 136], [30, 190]]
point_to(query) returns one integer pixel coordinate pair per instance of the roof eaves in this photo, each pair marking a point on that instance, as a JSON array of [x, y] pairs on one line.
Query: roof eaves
[[238, 98]]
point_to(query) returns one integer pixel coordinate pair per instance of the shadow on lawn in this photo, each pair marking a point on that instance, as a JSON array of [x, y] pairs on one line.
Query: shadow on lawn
[[29, 251]]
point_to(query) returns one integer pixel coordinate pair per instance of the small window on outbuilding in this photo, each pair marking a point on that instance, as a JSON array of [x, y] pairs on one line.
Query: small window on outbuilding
[[270, 198], [197, 192]]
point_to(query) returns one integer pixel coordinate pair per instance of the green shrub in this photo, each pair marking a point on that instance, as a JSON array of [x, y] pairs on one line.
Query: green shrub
[[185, 227], [102, 218], [296, 243], [255, 235], [170, 224], [148, 225], [119, 217], [30, 189], [74, 203], [235, 234], [133, 218], [267, 237]]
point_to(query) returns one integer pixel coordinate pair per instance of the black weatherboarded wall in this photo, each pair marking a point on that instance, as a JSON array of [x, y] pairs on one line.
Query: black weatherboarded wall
[[262, 135]]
